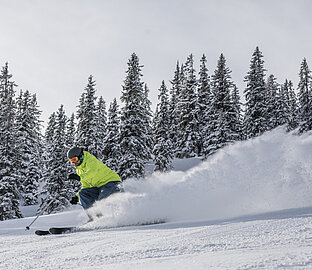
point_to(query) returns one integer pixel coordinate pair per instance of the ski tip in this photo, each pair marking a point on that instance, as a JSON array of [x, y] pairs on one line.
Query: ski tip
[[40, 232]]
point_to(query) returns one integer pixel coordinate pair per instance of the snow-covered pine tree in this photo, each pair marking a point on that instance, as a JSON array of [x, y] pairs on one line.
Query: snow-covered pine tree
[[292, 105], [101, 129], [305, 97], [47, 145], [111, 141], [273, 103], [70, 132], [134, 151], [29, 146], [70, 142], [282, 106], [179, 111], [9, 204], [50, 131], [221, 109], [173, 112], [148, 122], [57, 187], [187, 133], [86, 115], [255, 118], [236, 115], [18, 163], [203, 103], [163, 152]]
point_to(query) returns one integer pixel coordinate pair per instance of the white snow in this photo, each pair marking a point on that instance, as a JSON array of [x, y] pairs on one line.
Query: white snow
[[247, 207]]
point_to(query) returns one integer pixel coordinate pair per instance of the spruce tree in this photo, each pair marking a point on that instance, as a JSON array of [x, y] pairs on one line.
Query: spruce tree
[[133, 130], [18, 152], [305, 97], [112, 139], [57, 188], [29, 146], [70, 140], [50, 130], [203, 103], [48, 144], [255, 118], [292, 106], [173, 109], [273, 103], [148, 122], [162, 151], [221, 109], [236, 115], [70, 132], [187, 133], [100, 129], [282, 106], [86, 115], [9, 204]]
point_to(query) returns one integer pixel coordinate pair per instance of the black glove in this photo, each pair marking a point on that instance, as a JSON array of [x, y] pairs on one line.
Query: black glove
[[74, 176], [74, 200]]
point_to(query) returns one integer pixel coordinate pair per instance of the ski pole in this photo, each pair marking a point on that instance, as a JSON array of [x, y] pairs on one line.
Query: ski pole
[[41, 212]]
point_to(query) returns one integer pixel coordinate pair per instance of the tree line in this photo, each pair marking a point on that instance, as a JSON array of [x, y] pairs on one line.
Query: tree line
[[195, 116]]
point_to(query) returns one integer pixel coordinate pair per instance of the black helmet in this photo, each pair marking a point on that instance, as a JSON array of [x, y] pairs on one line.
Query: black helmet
[[75, 152]]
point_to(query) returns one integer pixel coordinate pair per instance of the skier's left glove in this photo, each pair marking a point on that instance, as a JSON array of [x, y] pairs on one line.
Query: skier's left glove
[[73, 176], [74, 200]]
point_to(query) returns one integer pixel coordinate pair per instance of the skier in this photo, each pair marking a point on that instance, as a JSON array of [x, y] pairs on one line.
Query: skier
[[97, 180]]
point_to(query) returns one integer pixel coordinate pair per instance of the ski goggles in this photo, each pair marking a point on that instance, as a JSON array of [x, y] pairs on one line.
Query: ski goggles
[[74, 159]]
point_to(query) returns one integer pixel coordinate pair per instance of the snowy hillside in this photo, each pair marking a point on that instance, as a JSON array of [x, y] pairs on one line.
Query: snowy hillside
[[247, 207]]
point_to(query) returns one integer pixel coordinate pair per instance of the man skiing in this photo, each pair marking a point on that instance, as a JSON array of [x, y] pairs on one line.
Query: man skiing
[[97, 180]]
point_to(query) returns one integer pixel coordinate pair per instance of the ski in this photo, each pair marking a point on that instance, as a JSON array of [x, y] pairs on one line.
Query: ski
[[41, 232], [55, 230]]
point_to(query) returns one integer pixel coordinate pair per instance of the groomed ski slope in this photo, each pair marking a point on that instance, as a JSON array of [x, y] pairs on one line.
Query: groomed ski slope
[[248, 207]]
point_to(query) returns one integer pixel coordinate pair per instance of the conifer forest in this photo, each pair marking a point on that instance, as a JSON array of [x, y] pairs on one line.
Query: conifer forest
[[198, 112]]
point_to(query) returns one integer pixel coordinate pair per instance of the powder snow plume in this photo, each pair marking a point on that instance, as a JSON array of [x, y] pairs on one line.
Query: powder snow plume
[[268, 173]]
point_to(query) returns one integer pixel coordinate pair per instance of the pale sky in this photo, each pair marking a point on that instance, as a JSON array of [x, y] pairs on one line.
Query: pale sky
[[52, 46]]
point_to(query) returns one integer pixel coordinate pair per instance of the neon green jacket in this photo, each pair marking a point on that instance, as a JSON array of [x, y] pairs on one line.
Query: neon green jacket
[[94, 173]]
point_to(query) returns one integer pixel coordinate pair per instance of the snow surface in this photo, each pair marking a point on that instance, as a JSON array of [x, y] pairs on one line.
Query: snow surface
[[247, 207]]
